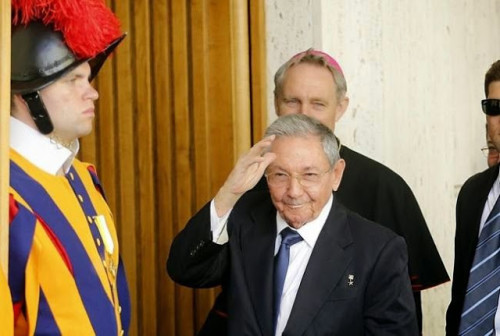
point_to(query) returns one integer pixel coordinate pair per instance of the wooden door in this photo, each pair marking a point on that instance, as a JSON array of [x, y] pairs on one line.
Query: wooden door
[[182, 97]]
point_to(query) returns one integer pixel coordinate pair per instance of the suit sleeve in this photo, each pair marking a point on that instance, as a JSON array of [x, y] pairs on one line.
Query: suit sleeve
[[454, 309], [466, 236], [194, 259], [389, 307]]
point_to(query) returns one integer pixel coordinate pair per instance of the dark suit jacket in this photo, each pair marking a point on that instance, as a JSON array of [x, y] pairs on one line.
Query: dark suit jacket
[[379, 194], [470, 204], [379, 303]]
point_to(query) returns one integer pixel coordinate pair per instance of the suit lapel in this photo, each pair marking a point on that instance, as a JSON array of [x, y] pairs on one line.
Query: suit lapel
[[479, 200], [258, 255], [328, 262]]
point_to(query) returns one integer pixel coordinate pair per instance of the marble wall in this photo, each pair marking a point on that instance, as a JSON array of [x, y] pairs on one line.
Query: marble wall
[[415, 72]]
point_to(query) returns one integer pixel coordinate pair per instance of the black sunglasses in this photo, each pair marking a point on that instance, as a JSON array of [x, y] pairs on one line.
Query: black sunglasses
[[491, 107]]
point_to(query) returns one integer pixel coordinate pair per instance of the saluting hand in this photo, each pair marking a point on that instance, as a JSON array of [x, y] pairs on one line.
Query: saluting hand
[[246, 173]]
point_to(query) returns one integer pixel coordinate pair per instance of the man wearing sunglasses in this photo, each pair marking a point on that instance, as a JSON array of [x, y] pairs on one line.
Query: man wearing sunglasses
[[474, 301], [490, 151]]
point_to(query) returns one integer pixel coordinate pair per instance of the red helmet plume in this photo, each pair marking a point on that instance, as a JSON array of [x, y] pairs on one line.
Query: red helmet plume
[[87, 26]]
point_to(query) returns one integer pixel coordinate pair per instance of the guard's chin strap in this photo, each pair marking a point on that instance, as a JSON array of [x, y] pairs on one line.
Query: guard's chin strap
[[38, 112]]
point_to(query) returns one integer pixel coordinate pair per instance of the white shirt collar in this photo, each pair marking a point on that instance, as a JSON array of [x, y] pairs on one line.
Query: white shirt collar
[[39, 149], [311, 230]]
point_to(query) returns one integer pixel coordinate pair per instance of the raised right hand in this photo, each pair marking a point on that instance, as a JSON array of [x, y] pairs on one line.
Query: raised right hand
[[248, 170]]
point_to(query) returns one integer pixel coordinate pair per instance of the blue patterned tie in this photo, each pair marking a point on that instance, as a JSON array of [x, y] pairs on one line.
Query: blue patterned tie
[[288, 238], [481, 297]]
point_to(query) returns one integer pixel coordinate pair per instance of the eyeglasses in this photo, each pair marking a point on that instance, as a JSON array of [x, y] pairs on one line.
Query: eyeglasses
[[491, 107], [307, 180], [489, 151]]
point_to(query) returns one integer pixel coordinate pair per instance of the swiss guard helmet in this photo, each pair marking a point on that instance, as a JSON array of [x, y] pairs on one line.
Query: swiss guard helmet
[[51, 38]]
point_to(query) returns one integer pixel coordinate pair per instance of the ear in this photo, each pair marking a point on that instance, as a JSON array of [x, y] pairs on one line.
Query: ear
[[338, 171], [20, 110], [276, 104], [17, 99], [18, 105], [341, 107]]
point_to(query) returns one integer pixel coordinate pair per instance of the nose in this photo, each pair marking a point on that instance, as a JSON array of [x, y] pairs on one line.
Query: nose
[[92, 93], [294, 187], [304, 109]]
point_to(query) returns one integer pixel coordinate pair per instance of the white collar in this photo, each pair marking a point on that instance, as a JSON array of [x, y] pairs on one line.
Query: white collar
[[311, 230], [39, 149]]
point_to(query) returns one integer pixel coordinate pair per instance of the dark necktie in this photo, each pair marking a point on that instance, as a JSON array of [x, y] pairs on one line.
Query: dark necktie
[[481, 297], [288, 238]]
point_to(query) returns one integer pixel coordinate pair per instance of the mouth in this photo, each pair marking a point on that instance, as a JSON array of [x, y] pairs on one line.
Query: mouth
[[294, 206], [89, 112]]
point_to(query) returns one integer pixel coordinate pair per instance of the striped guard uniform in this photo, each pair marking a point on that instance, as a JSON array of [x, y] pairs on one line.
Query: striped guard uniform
[[65, 273]]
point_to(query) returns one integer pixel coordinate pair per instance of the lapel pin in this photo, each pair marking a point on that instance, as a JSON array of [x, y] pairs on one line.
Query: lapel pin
[[350, 280]]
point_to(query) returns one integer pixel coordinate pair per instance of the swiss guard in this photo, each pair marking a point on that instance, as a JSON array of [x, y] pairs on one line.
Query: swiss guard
[[65, 272]]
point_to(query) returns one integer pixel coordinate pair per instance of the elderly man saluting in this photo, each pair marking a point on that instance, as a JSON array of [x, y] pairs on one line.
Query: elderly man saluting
[[296, 261]]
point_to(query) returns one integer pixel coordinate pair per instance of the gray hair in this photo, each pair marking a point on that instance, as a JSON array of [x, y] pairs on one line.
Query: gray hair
[[309, 58], [300, 125]]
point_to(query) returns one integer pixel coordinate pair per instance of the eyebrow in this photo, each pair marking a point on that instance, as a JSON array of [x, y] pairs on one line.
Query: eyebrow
[[73, 74], [305, 169]]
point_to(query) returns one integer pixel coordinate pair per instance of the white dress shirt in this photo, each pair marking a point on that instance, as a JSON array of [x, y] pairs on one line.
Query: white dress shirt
[[299, 254], [488, 206], [40, 150]]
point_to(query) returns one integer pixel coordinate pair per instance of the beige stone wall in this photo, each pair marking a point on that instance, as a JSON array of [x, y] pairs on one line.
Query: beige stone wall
[[415, 73]]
